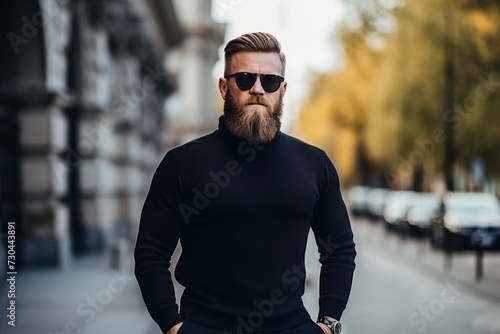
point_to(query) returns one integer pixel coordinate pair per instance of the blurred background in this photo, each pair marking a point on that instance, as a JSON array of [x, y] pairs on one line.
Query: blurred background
[[403, 95]]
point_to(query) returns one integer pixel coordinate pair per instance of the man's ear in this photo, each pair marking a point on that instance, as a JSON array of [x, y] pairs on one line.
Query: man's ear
[[283, 88], [223, 87]]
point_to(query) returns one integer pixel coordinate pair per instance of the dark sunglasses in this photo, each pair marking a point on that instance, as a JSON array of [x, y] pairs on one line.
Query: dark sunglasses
[[245, 81]]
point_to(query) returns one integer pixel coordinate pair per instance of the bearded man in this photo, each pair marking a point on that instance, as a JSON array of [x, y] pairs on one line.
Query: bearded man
[[242, 200]]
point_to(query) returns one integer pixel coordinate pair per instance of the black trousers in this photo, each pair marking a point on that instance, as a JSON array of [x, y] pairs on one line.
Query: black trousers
[[191, 327]]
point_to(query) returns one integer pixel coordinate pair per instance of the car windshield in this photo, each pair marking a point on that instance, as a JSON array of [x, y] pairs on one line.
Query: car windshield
[[465, 208], [424, 209]]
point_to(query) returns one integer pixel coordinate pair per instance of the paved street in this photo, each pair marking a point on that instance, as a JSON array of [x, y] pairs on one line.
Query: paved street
[[403, 287], [399, 288]]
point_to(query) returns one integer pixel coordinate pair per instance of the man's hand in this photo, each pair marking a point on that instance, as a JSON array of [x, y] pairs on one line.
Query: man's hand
[[175, 328], [324, 328]]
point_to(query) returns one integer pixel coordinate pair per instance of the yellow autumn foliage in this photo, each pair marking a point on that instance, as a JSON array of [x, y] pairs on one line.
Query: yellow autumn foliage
[[388, 98]]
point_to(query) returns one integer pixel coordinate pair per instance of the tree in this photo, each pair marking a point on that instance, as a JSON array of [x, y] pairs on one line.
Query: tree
[[419, 88]]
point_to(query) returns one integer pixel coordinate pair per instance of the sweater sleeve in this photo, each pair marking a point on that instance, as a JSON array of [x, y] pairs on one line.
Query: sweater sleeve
[[159, 231], [334, 237]]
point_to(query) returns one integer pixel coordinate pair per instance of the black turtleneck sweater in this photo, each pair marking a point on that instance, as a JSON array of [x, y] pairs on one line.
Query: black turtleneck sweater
[[242, 213]]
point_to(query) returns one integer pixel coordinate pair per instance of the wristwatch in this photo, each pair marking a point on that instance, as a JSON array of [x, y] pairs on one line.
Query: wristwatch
[[334, 325]]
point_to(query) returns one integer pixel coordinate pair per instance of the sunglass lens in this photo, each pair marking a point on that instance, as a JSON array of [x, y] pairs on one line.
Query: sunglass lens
[[270, 83], [245, 81]]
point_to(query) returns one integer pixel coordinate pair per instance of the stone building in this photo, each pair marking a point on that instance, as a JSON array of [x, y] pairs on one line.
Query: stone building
[[83, 122], [193, 61], [83, 86]]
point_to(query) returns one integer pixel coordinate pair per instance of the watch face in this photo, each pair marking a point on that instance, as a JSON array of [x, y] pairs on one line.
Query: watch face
[[337, 328]]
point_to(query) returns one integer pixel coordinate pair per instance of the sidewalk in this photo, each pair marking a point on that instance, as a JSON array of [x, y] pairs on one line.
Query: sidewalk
[[87, 298]]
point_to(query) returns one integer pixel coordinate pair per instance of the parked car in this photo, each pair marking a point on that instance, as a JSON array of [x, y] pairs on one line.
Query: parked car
[[467, 221], [375, 202], [419, 214], [397, 203], [357, 200]]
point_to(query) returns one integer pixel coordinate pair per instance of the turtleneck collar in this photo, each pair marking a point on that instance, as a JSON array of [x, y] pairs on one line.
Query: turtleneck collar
[[229, 138]]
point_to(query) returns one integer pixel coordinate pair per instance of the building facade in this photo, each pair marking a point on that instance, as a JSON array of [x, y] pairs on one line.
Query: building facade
[[197, 108], [83, 86]]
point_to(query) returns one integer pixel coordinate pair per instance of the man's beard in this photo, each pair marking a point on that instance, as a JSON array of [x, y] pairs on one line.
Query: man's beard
[[253, 124]]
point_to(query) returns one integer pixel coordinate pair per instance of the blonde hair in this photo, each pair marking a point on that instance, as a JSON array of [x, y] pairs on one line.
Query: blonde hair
[[252, 42]]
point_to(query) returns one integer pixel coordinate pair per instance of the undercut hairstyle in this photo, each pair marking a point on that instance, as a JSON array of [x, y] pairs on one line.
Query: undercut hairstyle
[[253, 42]]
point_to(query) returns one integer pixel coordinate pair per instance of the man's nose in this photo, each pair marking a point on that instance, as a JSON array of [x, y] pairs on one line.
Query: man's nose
[[257, 87]]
